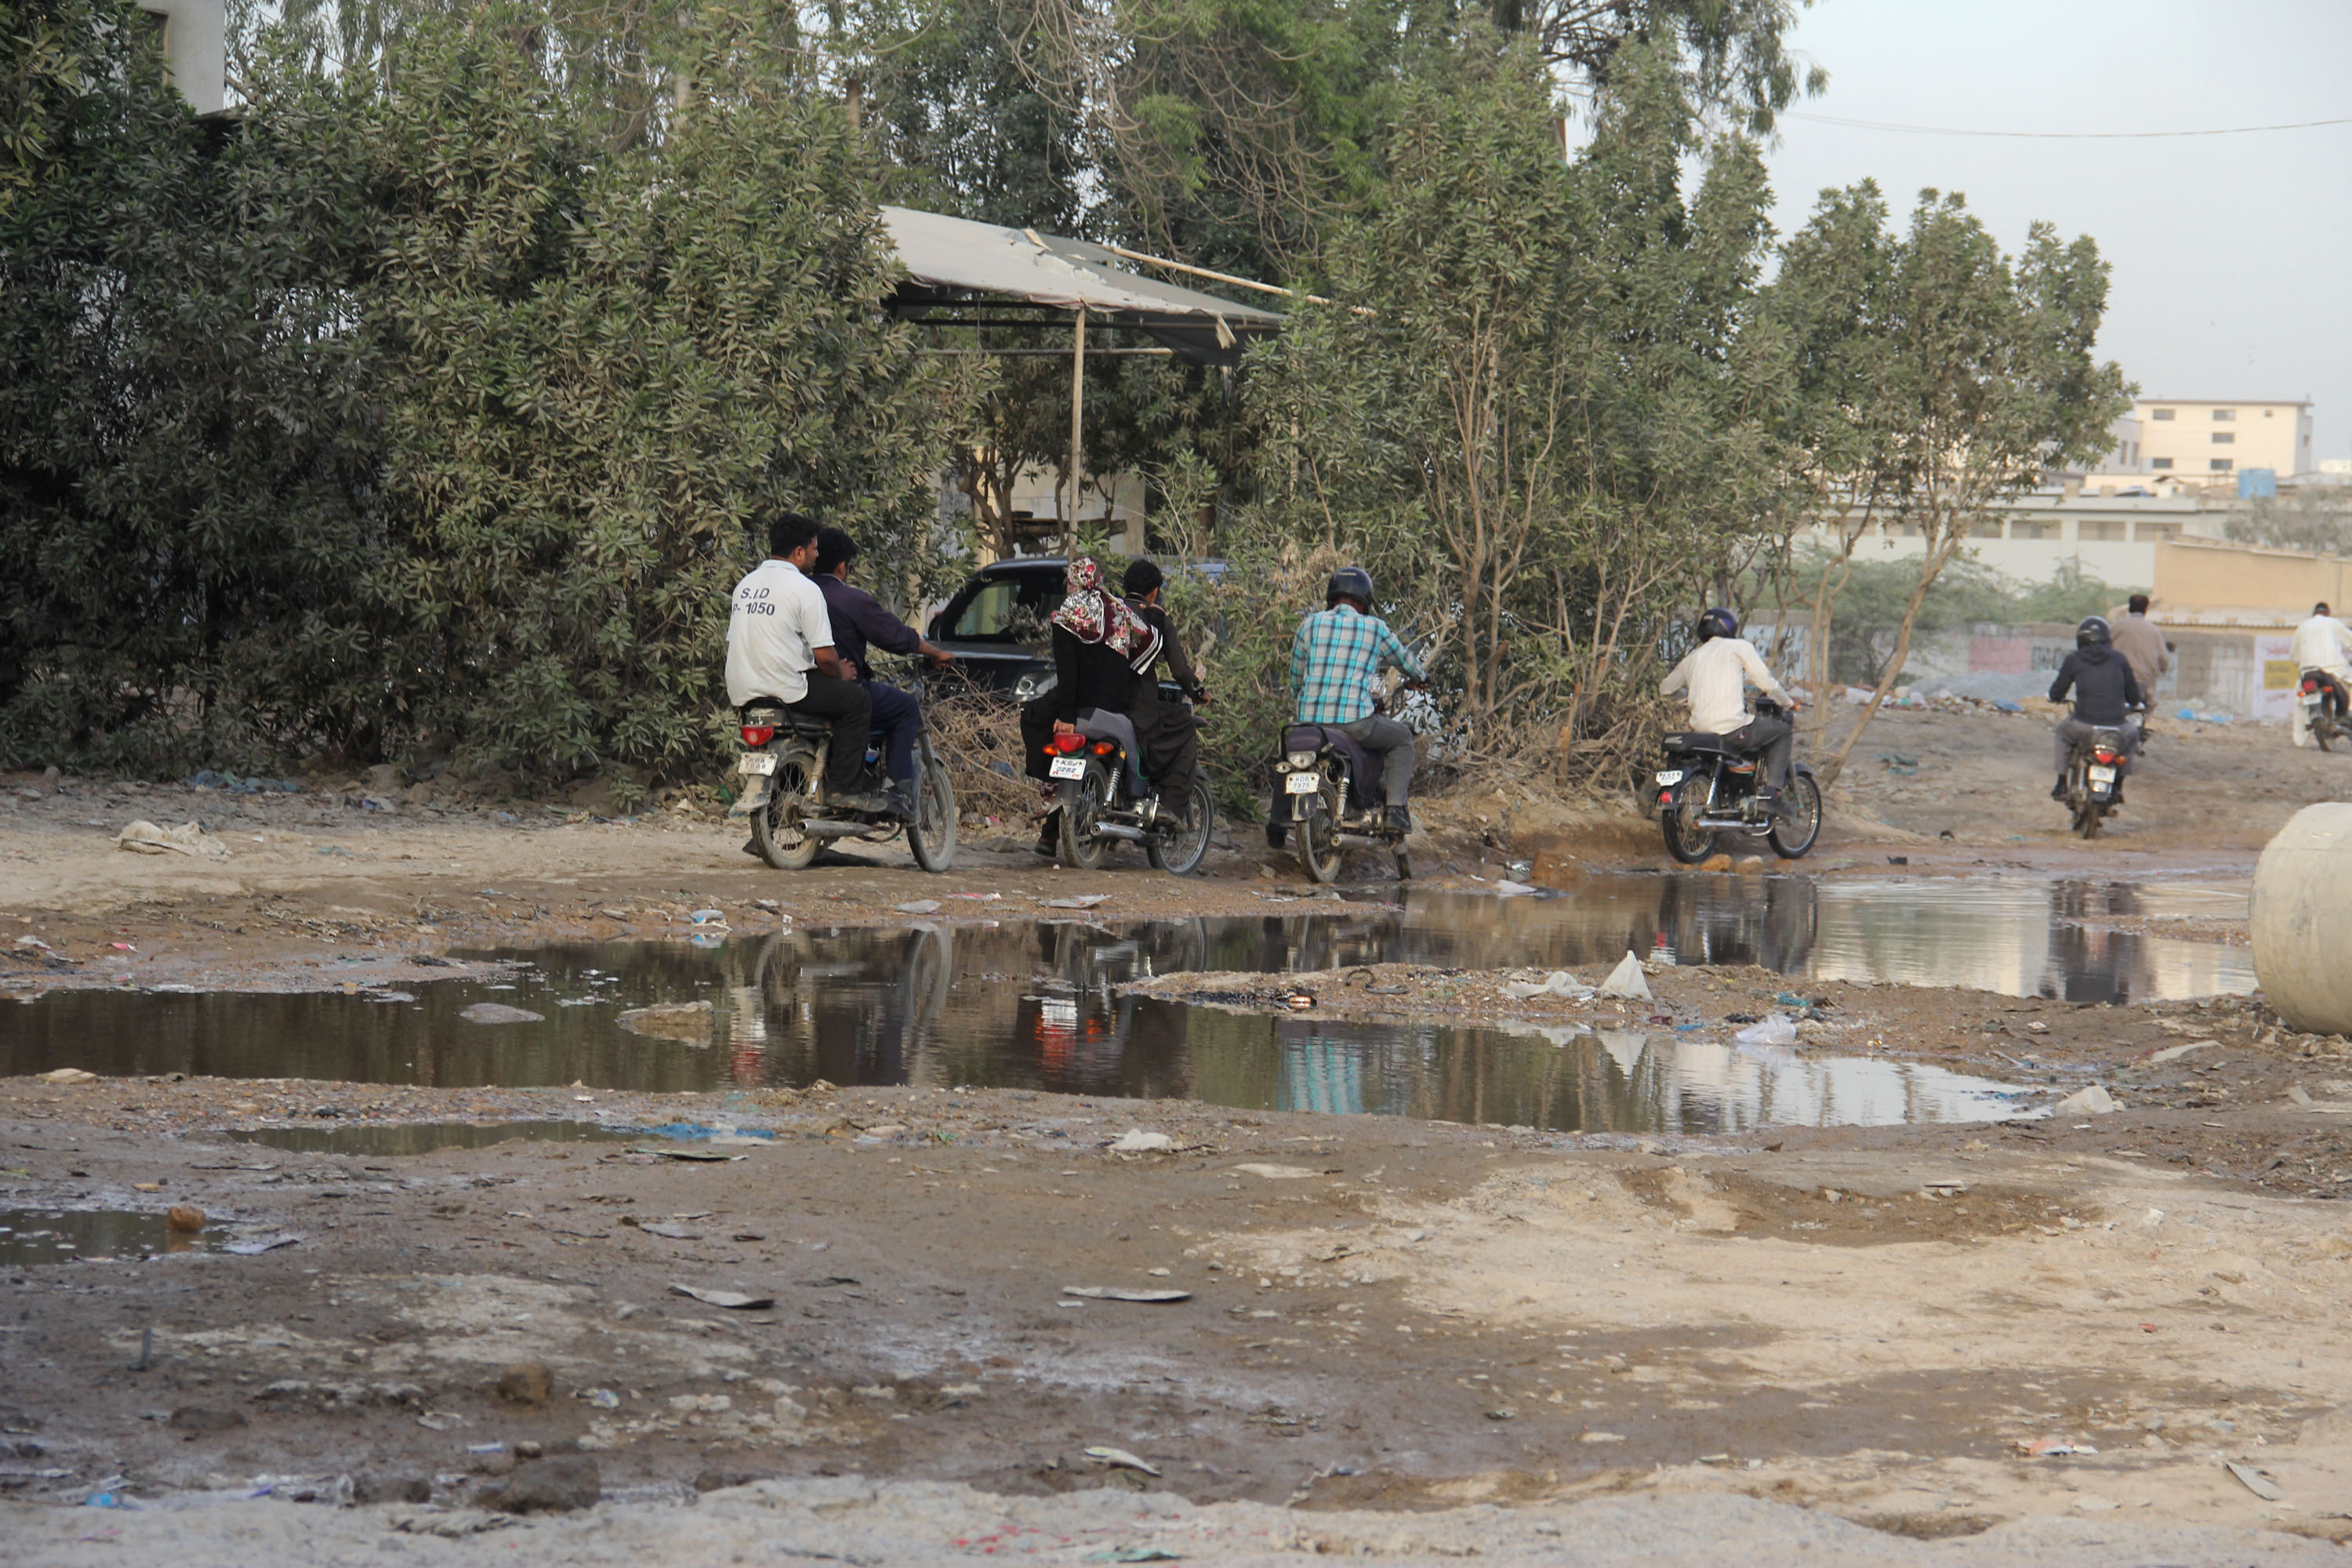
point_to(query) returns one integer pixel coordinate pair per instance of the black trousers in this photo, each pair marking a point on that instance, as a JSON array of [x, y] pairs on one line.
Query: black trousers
[[852, 713]]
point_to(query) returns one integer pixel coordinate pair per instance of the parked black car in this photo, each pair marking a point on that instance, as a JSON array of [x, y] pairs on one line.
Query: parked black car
[[986, 622]]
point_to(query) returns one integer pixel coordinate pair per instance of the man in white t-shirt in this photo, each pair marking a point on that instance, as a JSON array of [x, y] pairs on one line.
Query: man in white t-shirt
[[779, 646], [2322, 643], [1716, 674]]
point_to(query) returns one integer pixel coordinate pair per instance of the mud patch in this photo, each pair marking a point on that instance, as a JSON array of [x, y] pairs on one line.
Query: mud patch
[[1832, 1215]]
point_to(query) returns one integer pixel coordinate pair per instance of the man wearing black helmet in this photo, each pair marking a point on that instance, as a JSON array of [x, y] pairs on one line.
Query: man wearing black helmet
[[1335, 661], [1716, 674], [2105, 690]]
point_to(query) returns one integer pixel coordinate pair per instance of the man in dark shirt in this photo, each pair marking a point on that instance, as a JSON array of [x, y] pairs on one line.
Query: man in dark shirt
[[2105, 690], [859, 620], [1168, 733]]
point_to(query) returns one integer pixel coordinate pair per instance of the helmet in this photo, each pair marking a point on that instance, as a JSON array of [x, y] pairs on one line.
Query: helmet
[[1348, 583], [2093, 630], [1717, 622]]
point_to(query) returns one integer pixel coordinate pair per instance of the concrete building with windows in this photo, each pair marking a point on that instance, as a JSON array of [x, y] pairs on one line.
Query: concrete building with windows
[[195, 48], [2209, 442]]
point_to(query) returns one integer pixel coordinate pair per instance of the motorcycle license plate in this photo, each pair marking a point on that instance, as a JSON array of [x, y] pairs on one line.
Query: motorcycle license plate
[[1671, 776], [2103, 775], [757, 762], [1301, 784], [1067, 767]]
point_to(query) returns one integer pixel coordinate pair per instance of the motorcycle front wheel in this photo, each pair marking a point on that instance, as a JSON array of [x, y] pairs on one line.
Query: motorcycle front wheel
[[932, 835], [1687, 842], [2087, 817], [1791, 837], [1181, 852], [776, 826]]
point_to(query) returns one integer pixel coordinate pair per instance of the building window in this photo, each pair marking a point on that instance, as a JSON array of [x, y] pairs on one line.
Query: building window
[[2224, 437], [2159, 462], [2161, 414], [2023, 530], [2223, 465], [2106, 530], [2147, 531], [1985, 528], [2224, 415]]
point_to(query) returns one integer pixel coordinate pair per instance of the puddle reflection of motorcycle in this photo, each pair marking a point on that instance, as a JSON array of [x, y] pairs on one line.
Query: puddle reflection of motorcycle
[[873, 1018], [1708, 788], [792, 819]]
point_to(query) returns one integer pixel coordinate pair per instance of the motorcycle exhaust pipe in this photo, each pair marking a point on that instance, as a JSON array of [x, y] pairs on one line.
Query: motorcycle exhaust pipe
[[837, 829], [1120, 831]]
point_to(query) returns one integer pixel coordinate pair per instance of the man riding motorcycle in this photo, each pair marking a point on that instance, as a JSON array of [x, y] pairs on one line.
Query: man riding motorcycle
[[2105, 691], [780, 645], [1716, 674], [1335, 661], [2323, 649], [1169, 734], [858, 618]]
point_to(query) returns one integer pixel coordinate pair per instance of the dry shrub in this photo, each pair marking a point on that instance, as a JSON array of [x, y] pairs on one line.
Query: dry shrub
[[977, 734]]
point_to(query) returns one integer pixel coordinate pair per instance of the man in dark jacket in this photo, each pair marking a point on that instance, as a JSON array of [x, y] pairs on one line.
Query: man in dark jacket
[[1169, 736], [2105, 690], [859, 619]]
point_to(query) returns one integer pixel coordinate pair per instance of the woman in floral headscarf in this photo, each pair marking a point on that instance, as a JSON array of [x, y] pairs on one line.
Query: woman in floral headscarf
[[1100, 645]]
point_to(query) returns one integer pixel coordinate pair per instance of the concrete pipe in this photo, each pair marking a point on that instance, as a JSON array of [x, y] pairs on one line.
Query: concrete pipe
[[2302, 919]]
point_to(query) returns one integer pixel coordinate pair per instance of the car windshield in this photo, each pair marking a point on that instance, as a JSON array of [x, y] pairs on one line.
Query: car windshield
[[1009, 609]]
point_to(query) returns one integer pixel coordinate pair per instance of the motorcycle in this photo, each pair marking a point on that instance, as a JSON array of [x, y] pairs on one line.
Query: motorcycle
[[784, 760], [2094, 772], [1707, 788], [1333, 788], [1104, 799], [2318, 712]]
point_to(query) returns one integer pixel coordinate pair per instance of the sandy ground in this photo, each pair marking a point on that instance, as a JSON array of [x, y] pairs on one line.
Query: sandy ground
[[1404, 1340]]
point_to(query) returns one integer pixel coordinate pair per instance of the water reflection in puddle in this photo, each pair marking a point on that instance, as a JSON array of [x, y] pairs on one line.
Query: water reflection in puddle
[[32, 1237], [1032, 1004]]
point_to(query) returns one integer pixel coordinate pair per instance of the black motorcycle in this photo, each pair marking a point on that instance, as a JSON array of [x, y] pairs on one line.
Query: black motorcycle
[[1332, 786], [2318, 695], [791, 820], [1708, 788], [2094, 772], [1104, 800]]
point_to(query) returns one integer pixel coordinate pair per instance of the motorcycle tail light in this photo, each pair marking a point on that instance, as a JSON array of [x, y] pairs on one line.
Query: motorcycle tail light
[[1104, 748], [1665, 797], [2105, 756], [1066, 744], [758, 735], [2309, 687]]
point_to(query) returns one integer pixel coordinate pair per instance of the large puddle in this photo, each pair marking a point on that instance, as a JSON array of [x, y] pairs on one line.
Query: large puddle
[[1032, 1004]]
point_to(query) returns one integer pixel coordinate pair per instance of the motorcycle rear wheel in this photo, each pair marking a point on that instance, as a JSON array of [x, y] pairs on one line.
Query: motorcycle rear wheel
[[776, 826], [1687, 842], [1084, 849], [1318, 836]]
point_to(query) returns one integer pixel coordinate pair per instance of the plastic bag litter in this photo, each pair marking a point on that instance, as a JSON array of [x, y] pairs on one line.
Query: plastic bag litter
[[1780, 1029], [1559, 982], [2092, 1101], [1509, 889], [1626, 979], [1135, 1140], [143, 837]]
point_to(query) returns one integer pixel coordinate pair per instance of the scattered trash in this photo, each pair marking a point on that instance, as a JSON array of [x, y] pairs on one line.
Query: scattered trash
[[1276, 1172], [1626, 979], [2004, 705], [68, 1074], [1133, 1554], [685, 1022], [602, 1398], [2255, 1481], [2174, 1053], [1083, 902], [1559, 982], [1299, 1001], [1124, 1293], [1120, 1459], [116, 1499], [708, 917], [185, 1217], [671, 1232], [1778, 1029], [143, 837], [1135, 1140], [232, 784], [1507, 888], [732, 1301], [919, 907], [2092, 1101], [707, 1156], [500, 1012], [2051, 1447], [261, 1244]]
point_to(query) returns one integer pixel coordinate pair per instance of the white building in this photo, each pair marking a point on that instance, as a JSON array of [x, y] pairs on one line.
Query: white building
[[196, 49]]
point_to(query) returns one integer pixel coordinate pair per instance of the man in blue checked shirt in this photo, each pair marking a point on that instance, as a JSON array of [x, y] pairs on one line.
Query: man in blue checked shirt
[[1335, 661]]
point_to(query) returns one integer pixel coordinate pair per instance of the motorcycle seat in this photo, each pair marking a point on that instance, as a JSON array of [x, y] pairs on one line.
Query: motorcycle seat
[[1702, 742], [1363, 773]]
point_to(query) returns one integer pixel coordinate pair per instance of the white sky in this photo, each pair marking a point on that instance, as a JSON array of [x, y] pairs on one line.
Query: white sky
[[2232, 255]]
